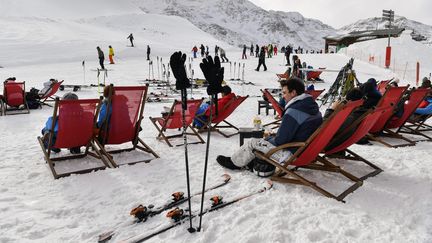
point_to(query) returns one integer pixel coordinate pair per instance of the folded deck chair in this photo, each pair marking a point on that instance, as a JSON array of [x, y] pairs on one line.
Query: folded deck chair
[[282, 75], [14, 99], [223, 114], [315, 93], [174, 120], [416, 96], [273, 102], [363, 124], [76, 121], [390, 98], [49, 95], [382, 86], [307, 154], [126, 105]]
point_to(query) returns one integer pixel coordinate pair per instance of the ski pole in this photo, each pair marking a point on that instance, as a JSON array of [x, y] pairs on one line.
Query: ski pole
[[238, 72]]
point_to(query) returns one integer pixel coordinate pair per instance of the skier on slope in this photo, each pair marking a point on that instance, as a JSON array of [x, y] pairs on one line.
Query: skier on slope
[[111, 54], [101, 57], [131, 38], [244, 52]]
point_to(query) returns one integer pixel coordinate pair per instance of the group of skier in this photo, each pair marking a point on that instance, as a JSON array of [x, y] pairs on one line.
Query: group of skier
[[101, 55]]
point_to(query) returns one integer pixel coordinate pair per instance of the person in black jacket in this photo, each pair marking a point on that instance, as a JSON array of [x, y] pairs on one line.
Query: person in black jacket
[[369, 89], [261, 60], [256, 50], [244, 52], [101, 57], [148, 53]]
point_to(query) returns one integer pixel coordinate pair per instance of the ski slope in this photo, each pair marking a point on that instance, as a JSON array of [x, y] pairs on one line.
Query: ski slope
[[394, 206]]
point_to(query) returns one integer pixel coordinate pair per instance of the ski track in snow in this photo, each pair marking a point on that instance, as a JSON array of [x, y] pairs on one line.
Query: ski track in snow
[[394, 206]]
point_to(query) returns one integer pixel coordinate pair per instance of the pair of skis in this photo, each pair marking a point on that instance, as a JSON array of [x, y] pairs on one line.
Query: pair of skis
[[181, 218], [150, 212]]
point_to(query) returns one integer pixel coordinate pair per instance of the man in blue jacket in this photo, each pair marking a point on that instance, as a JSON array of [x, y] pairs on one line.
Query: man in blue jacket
[[301, 118]]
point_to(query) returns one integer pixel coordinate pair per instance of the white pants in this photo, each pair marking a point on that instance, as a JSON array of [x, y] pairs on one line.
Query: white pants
[[245, 154]]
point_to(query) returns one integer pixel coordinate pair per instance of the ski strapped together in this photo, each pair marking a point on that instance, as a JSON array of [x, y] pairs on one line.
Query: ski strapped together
[[142, 213], [179, 217]]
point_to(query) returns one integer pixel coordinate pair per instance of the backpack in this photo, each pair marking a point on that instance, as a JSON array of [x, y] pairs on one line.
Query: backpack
[[32, 98]]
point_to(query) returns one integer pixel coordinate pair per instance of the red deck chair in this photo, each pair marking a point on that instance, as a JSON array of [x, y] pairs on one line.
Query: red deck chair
[[312, 75], [279, 110], [222, 115], [76, 124], [307, 154], [282, 75], [315, 93], [363, 125], [127, 107], [174, 120], [14, 99], [416, 96], [48, 96], [382, 86], [390, 99]]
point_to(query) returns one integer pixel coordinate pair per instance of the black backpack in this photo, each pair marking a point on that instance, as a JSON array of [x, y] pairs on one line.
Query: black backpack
[[32, 98]]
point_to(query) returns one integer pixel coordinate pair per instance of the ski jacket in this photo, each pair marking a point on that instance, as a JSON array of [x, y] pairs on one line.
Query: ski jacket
[[301, 118], [426, 110], [101, 54], [111, 51]]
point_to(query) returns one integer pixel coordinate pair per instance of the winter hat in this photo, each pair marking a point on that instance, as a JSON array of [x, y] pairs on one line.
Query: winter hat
[[69, 96]]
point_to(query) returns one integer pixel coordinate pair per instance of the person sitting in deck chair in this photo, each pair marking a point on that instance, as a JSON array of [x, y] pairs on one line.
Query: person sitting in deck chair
[[48, 125], [104, 108], [425, 108], [47, 87], [204, 110], [301, 118]]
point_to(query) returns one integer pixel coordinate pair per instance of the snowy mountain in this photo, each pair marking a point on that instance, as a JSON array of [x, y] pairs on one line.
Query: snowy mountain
[[419, 29], [239, 22]]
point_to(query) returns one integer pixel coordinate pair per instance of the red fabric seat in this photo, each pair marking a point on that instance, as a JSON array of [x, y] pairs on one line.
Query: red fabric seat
[[14, 98]]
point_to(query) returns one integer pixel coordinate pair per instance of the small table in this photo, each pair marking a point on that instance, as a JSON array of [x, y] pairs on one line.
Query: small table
[[249, 132]]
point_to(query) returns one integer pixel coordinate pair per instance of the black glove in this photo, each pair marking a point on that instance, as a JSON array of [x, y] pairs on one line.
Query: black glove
[[213, 73], [177, 61]]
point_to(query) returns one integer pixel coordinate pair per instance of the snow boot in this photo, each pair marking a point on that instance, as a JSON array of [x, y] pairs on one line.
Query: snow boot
[[226, 162]]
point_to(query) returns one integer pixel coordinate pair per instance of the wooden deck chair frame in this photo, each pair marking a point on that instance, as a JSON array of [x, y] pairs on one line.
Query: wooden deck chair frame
[[162, 129], [137, 143], [377, 131], [218, 120], [415, 97], [279, 110], [362, 125], [48, 96], [418, 123], [307, 154], [5, 103], [91, 144]]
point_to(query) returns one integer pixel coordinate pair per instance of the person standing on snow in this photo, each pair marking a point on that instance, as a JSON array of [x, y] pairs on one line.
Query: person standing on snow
[[261, 60], [251, 50], [148, 53], [131, 38], [101, 57], [222, 55], [244, 52], [216, 50], [195, 50], [202, 48], [111, 54], [256, 50]]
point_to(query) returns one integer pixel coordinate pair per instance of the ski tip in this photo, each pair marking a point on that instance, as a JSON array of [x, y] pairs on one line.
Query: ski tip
[[226, 177]]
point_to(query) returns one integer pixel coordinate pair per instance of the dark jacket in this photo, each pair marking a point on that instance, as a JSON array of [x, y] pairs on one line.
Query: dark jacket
[[371, 92], [100, 54], [301, 118]]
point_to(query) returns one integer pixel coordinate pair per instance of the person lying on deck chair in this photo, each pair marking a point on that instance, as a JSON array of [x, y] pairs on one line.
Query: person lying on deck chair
[[48, 125], [204, 110], [301, 118], [47, 87], [104, 108], [425, 108]]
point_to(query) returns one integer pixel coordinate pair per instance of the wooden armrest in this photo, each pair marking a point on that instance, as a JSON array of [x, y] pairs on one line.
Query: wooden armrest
[[284, 146]]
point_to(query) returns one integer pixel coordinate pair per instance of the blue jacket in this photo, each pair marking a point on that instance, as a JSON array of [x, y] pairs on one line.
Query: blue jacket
[[103, 114], [426, 110], [301, 118], [48, 125]]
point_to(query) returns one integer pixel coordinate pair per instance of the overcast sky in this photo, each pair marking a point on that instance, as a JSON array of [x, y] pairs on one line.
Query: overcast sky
[[338, 13]]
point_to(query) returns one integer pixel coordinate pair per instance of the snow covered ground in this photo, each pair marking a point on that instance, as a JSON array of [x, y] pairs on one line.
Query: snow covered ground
[[394, 206]]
